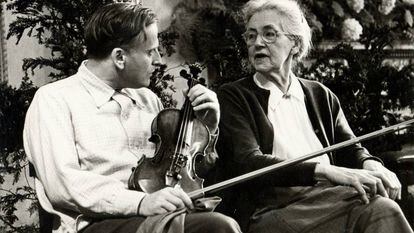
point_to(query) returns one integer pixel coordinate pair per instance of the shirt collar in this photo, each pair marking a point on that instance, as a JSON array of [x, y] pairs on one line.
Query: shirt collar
[[99, 90], [295, 89]]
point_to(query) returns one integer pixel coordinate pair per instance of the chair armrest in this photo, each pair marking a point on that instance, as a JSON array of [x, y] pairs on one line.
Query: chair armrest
[[405, 170], [406, 159]]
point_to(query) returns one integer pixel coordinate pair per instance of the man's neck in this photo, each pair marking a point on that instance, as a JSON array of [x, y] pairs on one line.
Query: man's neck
[[104, 71]]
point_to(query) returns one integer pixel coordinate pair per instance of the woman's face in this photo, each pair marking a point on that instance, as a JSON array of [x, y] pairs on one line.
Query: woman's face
[[269, 48]]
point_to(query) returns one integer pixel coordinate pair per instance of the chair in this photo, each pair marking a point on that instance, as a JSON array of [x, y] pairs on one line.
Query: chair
[[405, 172], [403, 166], [45, 218]]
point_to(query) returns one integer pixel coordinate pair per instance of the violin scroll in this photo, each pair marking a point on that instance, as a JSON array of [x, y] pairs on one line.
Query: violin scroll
[[195, 70]]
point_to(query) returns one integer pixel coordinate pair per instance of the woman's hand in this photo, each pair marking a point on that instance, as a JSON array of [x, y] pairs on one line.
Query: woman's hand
[[362, 180], [391, 183]]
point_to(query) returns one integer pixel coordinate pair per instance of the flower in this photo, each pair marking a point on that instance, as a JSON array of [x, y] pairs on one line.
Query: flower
[[351, 29], [356, 5], [386, 6]]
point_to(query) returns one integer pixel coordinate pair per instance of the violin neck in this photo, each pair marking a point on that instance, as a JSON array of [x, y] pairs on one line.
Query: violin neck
[[187, 109], [187, 116]]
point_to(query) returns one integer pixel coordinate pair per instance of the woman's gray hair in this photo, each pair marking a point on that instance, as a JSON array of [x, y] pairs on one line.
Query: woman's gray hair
[[294, 22]]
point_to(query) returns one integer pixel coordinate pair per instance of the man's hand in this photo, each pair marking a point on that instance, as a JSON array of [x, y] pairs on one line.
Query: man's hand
[[163, 201], [362, 180], [206, 106], [390, 180]]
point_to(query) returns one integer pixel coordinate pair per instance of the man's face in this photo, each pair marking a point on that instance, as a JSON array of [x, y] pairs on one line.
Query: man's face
[[140, 59], [268, 56]]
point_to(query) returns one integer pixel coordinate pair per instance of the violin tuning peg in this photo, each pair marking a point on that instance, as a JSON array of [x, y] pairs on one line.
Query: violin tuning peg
[[195, 69], [163, 66], [184, 74], [202, 81]]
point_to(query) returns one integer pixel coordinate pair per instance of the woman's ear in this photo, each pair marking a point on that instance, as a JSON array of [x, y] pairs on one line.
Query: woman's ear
[[118, 58], [295, 49]]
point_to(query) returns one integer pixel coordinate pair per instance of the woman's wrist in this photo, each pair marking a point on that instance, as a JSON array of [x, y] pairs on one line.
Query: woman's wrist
[[320, 172]]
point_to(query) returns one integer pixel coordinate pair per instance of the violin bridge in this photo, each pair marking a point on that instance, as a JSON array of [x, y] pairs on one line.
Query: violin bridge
[[172, 180]]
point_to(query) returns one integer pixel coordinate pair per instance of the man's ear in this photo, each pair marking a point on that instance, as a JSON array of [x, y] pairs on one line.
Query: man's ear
[[118, 57]]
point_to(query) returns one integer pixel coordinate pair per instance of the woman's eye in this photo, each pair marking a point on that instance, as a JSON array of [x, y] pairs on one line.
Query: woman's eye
[[270, 34], [251, 36]]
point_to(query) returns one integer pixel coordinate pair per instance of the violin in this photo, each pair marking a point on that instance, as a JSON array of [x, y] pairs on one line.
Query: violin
[[181, 141]]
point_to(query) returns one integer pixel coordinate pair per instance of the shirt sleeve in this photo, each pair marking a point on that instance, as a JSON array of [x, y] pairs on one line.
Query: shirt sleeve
[[49, 142]]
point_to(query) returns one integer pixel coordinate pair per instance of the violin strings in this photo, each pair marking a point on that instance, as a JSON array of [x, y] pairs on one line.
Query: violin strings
[[186, 120], [179, 143], [180, 133], [183, 129], [181, 139]]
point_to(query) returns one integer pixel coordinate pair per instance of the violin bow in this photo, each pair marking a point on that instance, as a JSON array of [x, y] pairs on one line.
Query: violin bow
[[262, 171]]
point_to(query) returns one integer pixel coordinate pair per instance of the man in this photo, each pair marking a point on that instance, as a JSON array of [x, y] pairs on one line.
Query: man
[[83, 134], [275, 116]]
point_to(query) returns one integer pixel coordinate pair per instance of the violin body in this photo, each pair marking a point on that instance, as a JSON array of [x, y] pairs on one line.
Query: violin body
[[169, 167]]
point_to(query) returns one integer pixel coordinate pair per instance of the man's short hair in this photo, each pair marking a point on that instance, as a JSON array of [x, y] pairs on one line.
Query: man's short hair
[[115, 26]]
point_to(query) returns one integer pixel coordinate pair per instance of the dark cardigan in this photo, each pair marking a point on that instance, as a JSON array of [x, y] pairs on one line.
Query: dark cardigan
[[246, 141]]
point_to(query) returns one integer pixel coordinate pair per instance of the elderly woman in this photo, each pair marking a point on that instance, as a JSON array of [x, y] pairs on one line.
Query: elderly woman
[[275, 116]]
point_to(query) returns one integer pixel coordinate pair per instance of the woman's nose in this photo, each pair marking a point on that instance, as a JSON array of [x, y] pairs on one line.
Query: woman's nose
[[259, 42]]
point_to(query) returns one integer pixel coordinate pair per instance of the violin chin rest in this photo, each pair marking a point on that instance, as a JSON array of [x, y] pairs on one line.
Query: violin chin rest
[[154, 138]]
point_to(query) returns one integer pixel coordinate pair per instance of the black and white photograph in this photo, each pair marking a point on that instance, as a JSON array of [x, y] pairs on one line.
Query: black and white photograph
[[207, 116]]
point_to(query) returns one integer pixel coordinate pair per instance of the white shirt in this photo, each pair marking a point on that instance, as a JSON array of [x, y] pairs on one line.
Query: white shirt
[[83, 148], [293, 132]]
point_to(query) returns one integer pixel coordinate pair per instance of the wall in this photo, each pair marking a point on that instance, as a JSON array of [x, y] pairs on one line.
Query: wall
[[165, 14], [25, 217], [27, 47]]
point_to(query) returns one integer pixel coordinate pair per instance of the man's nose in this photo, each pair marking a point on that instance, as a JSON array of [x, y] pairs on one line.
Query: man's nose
[[157, 60], [158, 64]]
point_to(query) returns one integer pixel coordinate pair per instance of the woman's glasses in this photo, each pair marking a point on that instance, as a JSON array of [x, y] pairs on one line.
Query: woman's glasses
[[269, 35]]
